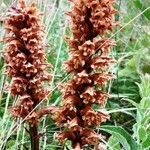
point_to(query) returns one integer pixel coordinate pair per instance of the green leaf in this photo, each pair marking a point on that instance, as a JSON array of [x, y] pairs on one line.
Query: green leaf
[[10, 144], [146, 143], [142, 7], [138, 4], [122, 136], [113, 143], [142, 134]]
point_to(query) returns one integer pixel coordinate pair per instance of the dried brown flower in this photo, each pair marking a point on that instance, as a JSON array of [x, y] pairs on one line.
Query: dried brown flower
[[25, 58], [88, 63], [26, 64]]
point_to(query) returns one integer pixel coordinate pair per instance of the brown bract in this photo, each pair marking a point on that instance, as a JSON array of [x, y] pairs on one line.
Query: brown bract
[[88, 62], [25, 59]]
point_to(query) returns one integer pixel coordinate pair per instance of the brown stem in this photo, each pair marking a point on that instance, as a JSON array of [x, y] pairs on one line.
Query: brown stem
[[77, 147], [34, 137]]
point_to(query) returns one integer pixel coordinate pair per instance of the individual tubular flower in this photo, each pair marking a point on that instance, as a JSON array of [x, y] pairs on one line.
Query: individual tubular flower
[[88, 63], [26, 62]]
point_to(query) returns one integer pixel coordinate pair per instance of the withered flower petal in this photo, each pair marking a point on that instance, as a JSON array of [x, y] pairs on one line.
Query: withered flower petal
[[25, 59], [26, 64], [89, 63]]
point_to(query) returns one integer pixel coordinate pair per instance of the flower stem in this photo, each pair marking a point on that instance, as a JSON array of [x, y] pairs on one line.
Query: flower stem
[[34, 137]]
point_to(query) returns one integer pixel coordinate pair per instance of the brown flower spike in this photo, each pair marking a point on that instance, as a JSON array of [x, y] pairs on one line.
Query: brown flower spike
[[26, 63], [88, 62]]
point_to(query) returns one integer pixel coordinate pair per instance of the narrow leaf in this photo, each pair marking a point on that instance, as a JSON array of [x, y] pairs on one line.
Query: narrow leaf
[[123, 136]]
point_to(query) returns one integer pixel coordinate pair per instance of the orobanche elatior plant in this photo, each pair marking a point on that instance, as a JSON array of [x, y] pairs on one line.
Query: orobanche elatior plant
[[26, 64], [88, 64]]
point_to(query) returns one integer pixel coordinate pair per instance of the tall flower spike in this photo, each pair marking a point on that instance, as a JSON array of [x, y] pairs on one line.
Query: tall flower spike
[[26, 63], [88, 62]]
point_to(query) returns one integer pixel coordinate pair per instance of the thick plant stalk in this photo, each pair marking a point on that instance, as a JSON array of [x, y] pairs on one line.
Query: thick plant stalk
[[34, 137], [26, 64], [89, 64]]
